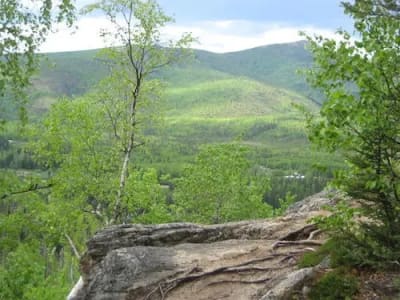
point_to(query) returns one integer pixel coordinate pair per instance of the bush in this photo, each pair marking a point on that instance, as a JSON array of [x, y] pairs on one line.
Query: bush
[[351, 244], [335, 285]]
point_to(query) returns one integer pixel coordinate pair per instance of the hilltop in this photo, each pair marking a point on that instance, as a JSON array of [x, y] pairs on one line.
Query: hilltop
[[249, 96], [75, 73]]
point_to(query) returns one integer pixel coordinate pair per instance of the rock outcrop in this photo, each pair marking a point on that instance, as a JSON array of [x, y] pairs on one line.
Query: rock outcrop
[[241, 260]]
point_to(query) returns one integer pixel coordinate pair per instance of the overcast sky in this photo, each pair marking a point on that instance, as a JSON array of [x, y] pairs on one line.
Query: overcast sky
[[221, 25]]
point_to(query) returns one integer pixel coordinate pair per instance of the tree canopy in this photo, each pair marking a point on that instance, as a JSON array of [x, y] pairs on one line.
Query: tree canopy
[[24, 26], [361, 117], [219, 188], [138, 52]]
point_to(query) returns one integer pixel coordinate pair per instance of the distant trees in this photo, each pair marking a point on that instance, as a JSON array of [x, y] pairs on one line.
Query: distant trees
[[361, 119], [218, 188]]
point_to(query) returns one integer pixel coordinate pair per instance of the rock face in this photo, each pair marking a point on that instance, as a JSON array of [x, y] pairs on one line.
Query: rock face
[[241, 260]]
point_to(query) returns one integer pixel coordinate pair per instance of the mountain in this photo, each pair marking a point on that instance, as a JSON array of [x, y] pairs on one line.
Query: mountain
[[249, 97], [74, 73], [275, 65]]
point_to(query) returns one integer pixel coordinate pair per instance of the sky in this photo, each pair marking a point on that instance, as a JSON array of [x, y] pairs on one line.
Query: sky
[[219, 25]]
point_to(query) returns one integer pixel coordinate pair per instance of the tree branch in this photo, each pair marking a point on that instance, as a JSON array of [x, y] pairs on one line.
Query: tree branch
[[73, 247], [31, 188]]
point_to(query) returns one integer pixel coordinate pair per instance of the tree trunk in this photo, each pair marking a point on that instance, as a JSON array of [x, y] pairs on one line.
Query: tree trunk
[[122, 181]]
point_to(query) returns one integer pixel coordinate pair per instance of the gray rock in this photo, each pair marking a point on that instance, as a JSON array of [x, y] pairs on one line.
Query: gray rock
[[284, 288], [315, 203], [187, 261]]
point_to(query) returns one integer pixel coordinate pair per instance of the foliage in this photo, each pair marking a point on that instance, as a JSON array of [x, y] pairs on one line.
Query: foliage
[[219, 188], [145, 200], [34, 254], [336, 249], [373, 8], [351, 245], [334, 285], [24, 27], [85, 164], [82, 162], [137, 26], [27, 274], [284, 203], [288, 181], [71, 188], [202, 105], [361, 118]]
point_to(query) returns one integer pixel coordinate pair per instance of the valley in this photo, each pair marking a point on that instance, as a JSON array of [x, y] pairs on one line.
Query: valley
[[251, 97]]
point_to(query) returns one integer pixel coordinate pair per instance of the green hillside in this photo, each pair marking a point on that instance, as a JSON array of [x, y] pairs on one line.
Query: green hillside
[[230, 98], [253, 82], [74, 73], [248, 97], [275, 65], [65, 74]]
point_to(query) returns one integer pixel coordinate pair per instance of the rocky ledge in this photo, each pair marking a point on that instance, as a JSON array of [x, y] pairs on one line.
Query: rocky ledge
[[242, 260]]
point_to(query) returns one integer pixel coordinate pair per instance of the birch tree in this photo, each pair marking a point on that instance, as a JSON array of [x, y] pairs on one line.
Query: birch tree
[[138, 53]]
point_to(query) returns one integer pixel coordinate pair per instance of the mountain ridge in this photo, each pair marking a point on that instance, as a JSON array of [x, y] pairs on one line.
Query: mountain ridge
[[69, 74]]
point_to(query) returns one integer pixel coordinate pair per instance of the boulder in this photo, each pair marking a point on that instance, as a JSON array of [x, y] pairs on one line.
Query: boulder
[[240, 260]]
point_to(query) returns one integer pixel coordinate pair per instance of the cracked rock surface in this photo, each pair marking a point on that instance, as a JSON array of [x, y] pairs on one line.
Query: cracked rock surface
[[241, 260]]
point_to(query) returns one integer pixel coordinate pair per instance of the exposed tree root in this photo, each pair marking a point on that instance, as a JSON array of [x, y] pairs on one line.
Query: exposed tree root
[[278, 244], [313, 234], [302, 237], [300, 234], [261, 280]]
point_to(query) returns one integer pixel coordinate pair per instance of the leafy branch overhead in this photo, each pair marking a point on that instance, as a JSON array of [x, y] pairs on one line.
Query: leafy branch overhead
[[24, 26], [361, 116]]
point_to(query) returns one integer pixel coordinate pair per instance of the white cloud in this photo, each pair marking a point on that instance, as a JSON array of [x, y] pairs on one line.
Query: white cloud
[[217, 36], [236, 35], [85, 35]]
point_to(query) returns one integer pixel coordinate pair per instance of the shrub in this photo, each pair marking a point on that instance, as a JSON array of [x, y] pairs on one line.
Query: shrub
[[335, 285]]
